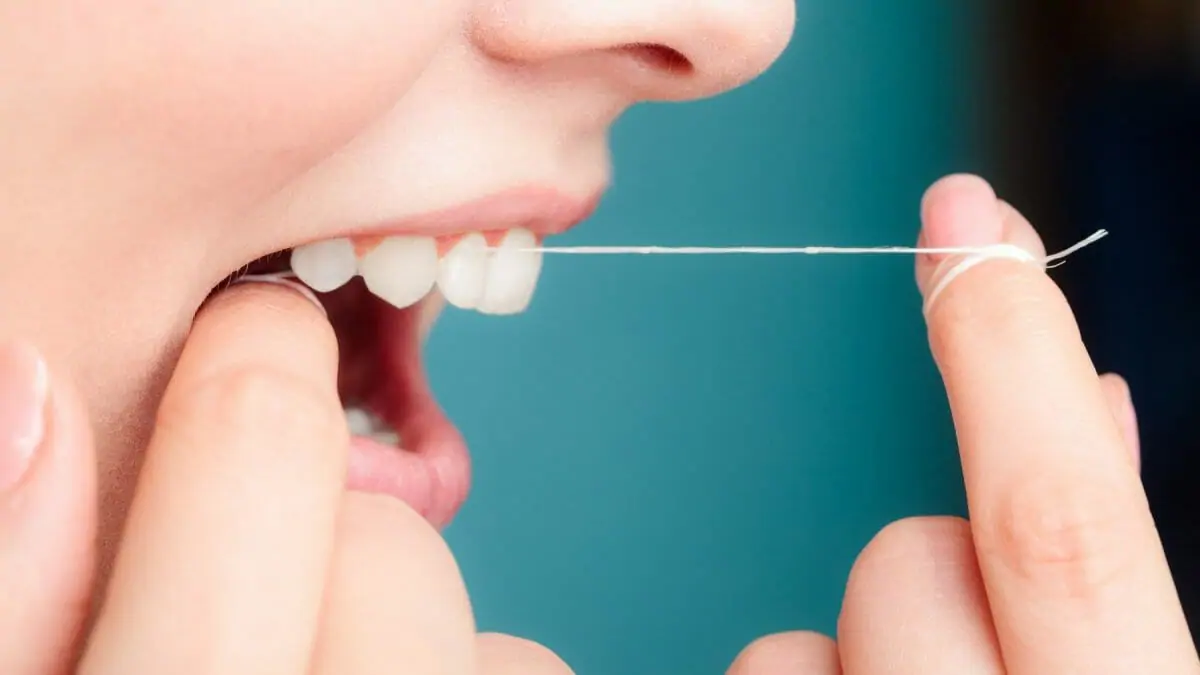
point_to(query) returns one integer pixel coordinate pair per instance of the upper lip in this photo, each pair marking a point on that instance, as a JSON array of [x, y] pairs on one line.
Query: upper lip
[[545, 211], [542, 210]]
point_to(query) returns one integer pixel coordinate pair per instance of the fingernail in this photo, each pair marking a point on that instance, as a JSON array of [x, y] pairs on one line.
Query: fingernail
[[1134, 434], [281, 280], [960, 211], [1121, 402], [24, 388], [957, 212]]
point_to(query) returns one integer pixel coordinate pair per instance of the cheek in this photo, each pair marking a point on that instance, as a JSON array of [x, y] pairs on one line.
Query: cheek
[[239, 86]]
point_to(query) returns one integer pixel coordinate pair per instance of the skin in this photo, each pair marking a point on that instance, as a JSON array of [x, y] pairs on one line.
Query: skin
[[151, 148], [1058, 570]]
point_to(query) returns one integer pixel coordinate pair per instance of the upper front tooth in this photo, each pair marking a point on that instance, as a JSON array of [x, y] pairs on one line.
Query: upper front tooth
[[462, 276], [401, 270], [512, 274], [325, 266]]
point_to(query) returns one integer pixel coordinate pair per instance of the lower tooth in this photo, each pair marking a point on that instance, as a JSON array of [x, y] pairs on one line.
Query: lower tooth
[[360, 422], [386, 437], [364, 423]]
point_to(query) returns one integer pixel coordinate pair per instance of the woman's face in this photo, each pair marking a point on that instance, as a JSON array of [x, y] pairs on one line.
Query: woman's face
[[151, 148]]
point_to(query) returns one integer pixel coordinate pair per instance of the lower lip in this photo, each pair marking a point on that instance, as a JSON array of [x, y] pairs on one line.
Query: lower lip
[[377, 468]]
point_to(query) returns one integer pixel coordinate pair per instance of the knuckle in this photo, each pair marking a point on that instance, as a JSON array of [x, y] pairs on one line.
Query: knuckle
[[1065, 537], [257, 401]]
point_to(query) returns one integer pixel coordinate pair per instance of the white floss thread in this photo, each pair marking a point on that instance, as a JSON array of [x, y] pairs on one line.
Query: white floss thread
[[974, 254], [283, 279], [961, 265], [795, 250], [977, 254]]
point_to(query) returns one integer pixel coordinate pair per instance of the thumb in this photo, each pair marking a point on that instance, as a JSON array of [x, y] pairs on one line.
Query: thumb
[[47, 515]]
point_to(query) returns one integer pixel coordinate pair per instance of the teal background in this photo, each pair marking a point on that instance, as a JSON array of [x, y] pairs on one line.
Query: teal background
[[676, 455]]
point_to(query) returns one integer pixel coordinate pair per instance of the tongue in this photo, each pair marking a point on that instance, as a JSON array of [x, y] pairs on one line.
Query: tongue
[[381, 369]]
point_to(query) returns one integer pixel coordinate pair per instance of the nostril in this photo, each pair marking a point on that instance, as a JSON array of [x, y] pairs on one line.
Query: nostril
[[661, 58]]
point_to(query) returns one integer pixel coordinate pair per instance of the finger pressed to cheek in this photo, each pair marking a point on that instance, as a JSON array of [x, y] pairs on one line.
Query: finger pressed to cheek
[[227, 330], [236, 505], [281, 282]]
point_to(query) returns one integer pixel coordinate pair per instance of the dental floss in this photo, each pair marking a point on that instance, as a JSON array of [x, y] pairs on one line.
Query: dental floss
[[283, 279], [979, 253], [960, 265], [797, 250]]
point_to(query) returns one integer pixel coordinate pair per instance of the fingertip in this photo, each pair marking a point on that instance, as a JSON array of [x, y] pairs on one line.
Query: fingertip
[[500, 654], [48, 529], [960, 211], [961, 197], [1120, 402], [56, 495], [1019, 231], [266, 294], [794, 653], [956, 182], [265, 324]]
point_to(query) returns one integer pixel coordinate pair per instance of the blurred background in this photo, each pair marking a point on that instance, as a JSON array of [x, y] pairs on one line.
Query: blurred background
[[677, 455], [1099, 126]]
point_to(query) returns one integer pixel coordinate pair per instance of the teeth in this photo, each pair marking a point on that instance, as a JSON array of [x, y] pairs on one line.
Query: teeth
[[387, 437], [463, 273], [401, 270], [364, 423], [360, 422], [325, 266], [512, 274]]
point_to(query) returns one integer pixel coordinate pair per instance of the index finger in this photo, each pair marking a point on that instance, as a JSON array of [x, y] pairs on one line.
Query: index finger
[[229, 539], [1075, 573]]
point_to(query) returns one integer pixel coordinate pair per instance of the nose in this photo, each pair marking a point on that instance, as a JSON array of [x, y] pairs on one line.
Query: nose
[[659, 49]]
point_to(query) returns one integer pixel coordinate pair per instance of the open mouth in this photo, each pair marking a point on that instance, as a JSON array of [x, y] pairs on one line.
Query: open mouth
[[382, 294], [402, 442]]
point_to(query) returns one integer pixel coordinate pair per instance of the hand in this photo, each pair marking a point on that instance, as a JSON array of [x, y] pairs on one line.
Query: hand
[[243, 552], [1060, 569]]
